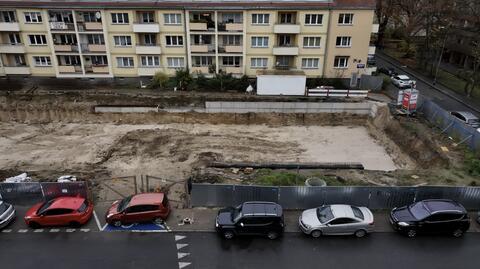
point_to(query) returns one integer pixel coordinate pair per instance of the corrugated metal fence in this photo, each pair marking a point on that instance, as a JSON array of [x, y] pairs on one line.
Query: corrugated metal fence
[[33, 192], [300, 197]]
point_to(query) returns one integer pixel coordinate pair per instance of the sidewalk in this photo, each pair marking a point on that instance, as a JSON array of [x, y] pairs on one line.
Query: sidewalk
[[204, 220]]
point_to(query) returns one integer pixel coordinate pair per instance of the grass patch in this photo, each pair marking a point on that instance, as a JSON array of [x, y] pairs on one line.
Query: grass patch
[[455, 83], [267, 177], [472, 163]]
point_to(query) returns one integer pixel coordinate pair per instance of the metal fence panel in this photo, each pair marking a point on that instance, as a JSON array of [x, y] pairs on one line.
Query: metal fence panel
[[469, 197], [21, 193], [390, 197], [55, 189], [358, 196], [212, 195], [301, 197], [244, 193]]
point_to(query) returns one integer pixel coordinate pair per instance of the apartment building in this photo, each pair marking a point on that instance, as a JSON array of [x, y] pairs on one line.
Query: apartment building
[[106, 39]]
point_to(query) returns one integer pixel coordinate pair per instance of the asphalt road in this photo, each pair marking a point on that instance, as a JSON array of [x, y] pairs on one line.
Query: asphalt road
[[445, 101]]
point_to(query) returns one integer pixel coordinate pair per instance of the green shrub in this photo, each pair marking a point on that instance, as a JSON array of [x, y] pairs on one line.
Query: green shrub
[[159, 81], [472, 163], [267, 177], [183, 80]]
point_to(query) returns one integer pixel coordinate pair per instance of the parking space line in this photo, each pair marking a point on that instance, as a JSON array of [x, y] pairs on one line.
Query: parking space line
[[70, 230], [54, 230], [38, 230], [6, 231], [22, 230], [85, 230], [98, 221]]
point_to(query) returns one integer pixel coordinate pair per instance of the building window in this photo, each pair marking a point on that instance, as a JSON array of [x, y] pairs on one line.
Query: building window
[[122, 41], [287, 18], [345, 19], [231, 61], [19, 60], [120, 18], [232, 40], [33, 17], [174, 40], [340, 62], [260, 18], [8, 16], [344, 41], [92, 16], [150, 61], [311, 42], [232, 18], [148, 17], [42, 61], [173, 19], [99, 60], [199, 61], [125, 62], [176, 62], [14, 38], [310, 63], [96, 39], [37, 39], [313, 19], [259, 41], [258, 62]]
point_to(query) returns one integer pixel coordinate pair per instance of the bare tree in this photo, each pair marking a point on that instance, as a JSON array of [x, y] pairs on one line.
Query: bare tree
[[384, 12]]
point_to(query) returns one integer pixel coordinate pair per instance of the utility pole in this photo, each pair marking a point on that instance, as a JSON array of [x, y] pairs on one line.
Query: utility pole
[[441, 56]]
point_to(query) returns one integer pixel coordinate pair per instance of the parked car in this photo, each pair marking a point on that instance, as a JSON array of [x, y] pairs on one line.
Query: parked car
[[430, 217], [467, 117], [371, 61], [137, 208], [402, 81], [336, 220], [389, 71], [61, 211], [7, 214], [251, 218]]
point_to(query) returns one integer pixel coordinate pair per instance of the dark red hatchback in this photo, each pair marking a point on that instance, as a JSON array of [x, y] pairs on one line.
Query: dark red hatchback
[[137, 208]]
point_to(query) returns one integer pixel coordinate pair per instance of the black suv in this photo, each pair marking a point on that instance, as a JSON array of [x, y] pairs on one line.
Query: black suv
[[432, 217], [251, 218]]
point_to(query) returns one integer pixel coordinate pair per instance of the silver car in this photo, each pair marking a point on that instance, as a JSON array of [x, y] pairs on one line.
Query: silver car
[[336, 220], [7, 214]]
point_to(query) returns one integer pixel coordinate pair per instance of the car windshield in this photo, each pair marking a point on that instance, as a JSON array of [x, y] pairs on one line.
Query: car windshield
[[236, 213], [419, 211], [357, 212], [3, 207], [324, 214], [44, 207], [83, 207], [123, 204]]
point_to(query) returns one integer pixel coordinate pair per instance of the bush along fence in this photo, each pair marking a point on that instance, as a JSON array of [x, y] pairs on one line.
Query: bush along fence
[[301, 197], [33, 192], [451, 126]]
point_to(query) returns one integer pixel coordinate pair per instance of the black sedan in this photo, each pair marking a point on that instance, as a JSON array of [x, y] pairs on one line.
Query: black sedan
[[431, 217], [389, 71]]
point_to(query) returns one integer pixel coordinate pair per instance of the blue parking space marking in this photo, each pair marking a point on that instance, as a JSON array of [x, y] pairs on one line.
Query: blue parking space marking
[[138, 227]]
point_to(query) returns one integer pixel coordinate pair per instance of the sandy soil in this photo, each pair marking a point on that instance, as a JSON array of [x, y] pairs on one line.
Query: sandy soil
[[171, 150]]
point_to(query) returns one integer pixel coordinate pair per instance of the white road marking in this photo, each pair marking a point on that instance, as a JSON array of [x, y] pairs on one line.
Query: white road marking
[[104, 226], [85, 230], [179, 237], [183, 264], [6, 231], [148, 231], [22, 230], [179, 246], [70, 230], [54, 230], [182, 255], [38, 230], [97, 221]]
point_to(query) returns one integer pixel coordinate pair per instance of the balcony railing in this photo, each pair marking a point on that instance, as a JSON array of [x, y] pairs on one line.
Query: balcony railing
[[62, 26], [90, 26], [69, 69], [93, 47], [230, 48], [65, 48], [202, 48], [12, 48], [230, 26]]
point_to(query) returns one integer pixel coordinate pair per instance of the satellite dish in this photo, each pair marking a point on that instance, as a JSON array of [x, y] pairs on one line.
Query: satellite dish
[[98, 15]]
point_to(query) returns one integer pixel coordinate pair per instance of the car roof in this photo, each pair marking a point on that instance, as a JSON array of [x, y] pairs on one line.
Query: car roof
[[261, 209], [443, 205], [342, 211], [403, 77], [147, 198], [72, 203], [467, 115]]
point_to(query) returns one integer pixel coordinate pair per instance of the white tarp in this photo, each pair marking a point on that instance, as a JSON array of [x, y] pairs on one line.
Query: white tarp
[[281, 84], [18, 179]]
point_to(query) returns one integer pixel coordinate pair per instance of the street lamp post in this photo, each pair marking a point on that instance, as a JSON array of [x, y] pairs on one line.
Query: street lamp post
[[440, 58]]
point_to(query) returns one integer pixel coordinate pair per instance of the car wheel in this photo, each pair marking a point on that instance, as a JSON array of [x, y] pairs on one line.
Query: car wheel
[[360, 233], [411, 233], [34, 225], [117, 223], [316, 234], [457, 233], [272, 235], [158, 221], [228, 235], [75, 224]]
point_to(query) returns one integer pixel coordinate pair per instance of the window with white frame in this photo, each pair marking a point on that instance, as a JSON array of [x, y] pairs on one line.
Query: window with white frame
[[150, 61], [99, 60], [70, 60], [260, 18], [345, 18], [125, 62], [313, 19], [176, 62], [232, 40], [311, 42], [33, 17], [344, 41], [173, 18], [259, 41], [96, 39], [199, 61], [174, 40], [232, 18], [14, 38], [42, 60], [148, 17], [37, 39], [231, 61], [120, 18], [8, 16], [258, 62], [310, 63], [340, 62], [122, 40]]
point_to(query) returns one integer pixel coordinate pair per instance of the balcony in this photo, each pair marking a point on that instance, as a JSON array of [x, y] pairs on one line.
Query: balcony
[[202, 48], [93, 48], [375, 28], [61, 26], [65, 48], [69, 69], [200, 69], [148, 49], [230, 49], [12, 48], [90, 27], [9, 27], [286, 29], [371, 50], [146, 28], [198, 26], [285, 50], [97, 69], [147, 71], [17, 70], [232, 69]]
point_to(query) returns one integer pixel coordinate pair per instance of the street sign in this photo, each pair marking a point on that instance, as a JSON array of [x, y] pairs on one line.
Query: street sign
[[360, 66]]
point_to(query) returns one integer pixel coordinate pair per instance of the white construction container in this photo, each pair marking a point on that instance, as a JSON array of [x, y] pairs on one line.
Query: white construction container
[[281, 83]]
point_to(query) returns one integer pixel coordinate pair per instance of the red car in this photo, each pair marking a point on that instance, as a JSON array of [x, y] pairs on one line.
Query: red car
[[139, 208], [61, 211]]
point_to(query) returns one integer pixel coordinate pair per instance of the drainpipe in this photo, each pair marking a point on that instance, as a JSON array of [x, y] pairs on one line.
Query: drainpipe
[[325, 54], [185, 39]]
